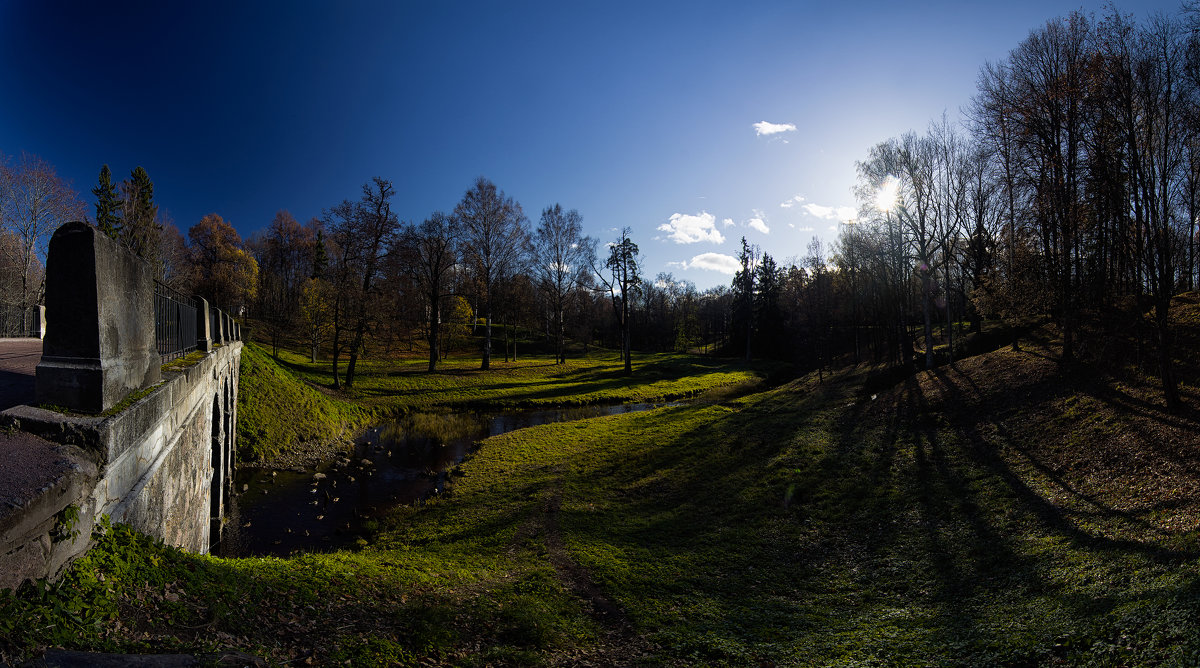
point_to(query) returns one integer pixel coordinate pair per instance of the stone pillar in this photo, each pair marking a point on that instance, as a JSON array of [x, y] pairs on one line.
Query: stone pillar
[[40, 324], [99, 344], [203, 338], [216, 326]]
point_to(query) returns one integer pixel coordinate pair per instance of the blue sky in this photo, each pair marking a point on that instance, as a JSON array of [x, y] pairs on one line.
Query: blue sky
[[637, 114]]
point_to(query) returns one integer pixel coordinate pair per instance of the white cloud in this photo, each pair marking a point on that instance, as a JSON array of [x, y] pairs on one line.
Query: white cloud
[[832, 212], [808, 229], [792, 202], [762, 128], [758, 222], [726, 264], [728, 222], [685, 229]]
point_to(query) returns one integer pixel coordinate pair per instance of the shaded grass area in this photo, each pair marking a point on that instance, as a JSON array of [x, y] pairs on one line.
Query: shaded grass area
[[1005, 511]]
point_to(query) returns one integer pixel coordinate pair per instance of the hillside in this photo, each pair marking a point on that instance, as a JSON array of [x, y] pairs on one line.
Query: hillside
[[1009, 510]]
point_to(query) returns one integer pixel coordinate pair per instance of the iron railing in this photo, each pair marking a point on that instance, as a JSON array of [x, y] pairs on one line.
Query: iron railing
[[174, 322], [17, 322]]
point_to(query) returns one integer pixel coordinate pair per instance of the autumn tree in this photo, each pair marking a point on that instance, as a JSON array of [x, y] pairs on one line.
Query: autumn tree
[[225, 273], [316, 302]]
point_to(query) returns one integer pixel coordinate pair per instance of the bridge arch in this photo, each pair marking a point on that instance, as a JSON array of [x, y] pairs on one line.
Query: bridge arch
[[216, 486]]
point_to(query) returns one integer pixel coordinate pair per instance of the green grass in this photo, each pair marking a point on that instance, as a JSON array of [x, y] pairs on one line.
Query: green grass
[[809, 524], [276, 409], [534, 381]]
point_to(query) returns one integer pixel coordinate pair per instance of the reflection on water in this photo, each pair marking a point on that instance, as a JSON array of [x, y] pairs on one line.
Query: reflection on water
[[281, 512]]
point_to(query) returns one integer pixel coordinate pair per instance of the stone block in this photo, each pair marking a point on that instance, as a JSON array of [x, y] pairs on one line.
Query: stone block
[[99, 343]]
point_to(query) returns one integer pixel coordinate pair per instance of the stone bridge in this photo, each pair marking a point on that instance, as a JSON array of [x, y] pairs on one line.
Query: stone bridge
[[109, 429]]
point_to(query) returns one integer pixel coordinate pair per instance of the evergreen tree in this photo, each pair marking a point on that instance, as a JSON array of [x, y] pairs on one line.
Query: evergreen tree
[[743, 295], [768, 314], [108, 205], [141, 228]]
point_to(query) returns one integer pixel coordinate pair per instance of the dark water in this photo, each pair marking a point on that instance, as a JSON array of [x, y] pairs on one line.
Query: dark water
[[333, 505]]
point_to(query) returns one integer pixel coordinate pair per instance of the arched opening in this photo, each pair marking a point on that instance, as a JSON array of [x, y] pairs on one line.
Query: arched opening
[[216, 486], [228, 441]]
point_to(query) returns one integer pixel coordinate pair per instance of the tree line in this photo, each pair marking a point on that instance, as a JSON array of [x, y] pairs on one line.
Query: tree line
[[474, 276], [1071, 190]]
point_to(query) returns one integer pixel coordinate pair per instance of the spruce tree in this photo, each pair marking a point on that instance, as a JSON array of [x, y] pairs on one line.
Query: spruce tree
[[141, 229], [108, 205]]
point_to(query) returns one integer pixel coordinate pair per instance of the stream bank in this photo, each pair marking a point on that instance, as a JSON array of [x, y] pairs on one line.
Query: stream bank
[[321, 503]]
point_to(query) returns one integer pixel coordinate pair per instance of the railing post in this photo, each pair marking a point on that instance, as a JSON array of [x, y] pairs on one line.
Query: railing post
[[203, 336], [218, 334], [100, 338]]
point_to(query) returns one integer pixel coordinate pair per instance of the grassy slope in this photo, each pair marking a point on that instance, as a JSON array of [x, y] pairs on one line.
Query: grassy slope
[[276, 409], [1001, 512], [278, 403]]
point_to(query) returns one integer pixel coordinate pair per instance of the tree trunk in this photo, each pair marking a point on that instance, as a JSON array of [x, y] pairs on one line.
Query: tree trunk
[[337, 349], [355, 347], [926, 312], [435, 321], [562, 356], [1170, 388], [487, 335], [625, 335]]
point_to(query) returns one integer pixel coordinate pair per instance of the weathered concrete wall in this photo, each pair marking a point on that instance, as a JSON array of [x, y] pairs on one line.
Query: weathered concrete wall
[[162, 465]]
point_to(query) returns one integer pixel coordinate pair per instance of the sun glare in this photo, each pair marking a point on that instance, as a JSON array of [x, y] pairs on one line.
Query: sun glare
[[888, 193]]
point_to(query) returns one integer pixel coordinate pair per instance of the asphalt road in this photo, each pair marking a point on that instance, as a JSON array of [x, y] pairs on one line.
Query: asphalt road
[[18, 361]]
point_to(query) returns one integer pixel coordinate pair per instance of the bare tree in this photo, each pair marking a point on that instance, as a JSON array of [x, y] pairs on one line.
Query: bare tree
[[373, 226], [494, 239], [620, 276], [560, 264], [427, 252], [34, 201]]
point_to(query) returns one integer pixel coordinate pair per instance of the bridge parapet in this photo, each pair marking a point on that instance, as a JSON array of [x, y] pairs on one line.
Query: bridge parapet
[[163, 463], [99, 344]]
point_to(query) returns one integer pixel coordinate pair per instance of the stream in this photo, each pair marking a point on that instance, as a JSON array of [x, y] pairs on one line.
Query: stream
[[403, 462]]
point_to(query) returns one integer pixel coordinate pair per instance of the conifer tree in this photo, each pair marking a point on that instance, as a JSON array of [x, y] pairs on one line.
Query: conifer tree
[[108, 205], [141, 228]]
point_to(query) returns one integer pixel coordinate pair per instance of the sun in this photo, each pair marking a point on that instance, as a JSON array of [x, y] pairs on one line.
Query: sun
[[889, 193]]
